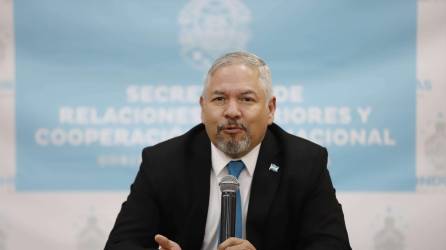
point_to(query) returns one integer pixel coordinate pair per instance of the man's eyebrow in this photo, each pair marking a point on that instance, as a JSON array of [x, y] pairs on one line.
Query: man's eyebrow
[[218, 92], [248, 92]]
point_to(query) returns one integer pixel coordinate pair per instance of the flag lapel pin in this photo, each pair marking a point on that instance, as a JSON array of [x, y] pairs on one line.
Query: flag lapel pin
[[273, 167]]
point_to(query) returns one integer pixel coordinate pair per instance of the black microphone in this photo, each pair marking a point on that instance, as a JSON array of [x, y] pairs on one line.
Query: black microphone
[[228, 186]]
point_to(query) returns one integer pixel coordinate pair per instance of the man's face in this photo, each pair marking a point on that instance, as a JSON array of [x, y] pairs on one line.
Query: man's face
[[234, 109]]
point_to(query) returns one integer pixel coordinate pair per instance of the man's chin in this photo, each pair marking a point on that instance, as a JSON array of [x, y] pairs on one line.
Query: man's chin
[[235, 147], [235, 137]]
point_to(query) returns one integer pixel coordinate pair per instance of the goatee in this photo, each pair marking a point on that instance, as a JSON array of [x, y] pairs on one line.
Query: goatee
[[233, 147]]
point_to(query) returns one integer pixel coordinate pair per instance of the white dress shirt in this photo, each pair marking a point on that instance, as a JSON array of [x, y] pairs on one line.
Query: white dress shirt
[[219, 162]]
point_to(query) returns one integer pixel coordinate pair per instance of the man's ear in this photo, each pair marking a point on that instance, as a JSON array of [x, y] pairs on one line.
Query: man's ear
[[201, 101], [202, 105], [271, 109]]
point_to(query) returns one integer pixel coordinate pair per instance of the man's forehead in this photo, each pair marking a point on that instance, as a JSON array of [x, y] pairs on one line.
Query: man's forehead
[[239, 86]]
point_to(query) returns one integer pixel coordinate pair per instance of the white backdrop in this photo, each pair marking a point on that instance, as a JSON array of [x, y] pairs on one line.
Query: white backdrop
[[378, 220]]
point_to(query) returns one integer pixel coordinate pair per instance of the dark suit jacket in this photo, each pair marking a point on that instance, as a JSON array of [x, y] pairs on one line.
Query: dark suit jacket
[[294, 208]]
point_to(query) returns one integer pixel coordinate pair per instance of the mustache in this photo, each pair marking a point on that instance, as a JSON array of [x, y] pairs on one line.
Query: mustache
[[231, 123]]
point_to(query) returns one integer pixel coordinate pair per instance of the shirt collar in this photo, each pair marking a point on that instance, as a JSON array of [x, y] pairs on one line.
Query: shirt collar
[[220, 159]]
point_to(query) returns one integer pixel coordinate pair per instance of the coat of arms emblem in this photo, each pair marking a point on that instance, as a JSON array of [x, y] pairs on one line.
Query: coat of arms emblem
[[209, 28]]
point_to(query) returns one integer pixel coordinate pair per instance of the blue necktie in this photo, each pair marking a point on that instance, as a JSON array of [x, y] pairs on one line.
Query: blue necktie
[[234, 169]]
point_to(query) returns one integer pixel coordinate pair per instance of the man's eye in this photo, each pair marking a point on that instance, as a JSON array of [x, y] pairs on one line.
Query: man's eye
[[247, 99], [218, 99]]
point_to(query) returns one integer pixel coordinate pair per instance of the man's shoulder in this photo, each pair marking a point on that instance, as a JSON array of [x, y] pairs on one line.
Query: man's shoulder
[[302, 159]]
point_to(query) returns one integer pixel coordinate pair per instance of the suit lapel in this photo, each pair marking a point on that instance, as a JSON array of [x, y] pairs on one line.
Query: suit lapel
[[198, 179], [263, 188]]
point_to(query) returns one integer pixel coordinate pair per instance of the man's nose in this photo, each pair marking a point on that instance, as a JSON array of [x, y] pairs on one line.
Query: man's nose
[[232, 110]]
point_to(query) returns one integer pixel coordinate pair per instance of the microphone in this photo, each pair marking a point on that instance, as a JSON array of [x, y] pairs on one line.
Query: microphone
[[228, 186]]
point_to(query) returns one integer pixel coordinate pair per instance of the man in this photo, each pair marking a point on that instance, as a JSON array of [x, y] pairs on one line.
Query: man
[[287, 198]]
